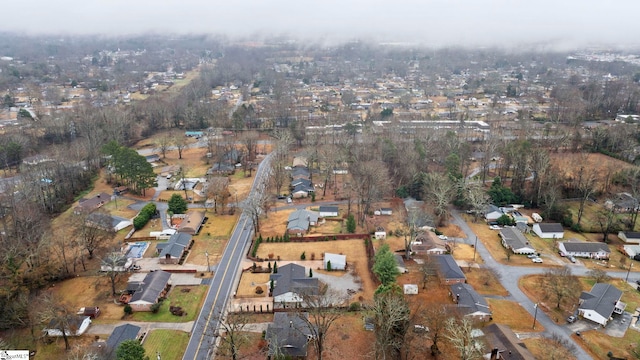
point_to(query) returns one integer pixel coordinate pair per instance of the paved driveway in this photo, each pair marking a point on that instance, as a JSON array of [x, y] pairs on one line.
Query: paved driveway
[[619, 325]]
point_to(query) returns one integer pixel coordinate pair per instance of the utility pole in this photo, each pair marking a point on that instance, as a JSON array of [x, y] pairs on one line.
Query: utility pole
[[535, 315], [206, 253], [628, 271], [475, 245]]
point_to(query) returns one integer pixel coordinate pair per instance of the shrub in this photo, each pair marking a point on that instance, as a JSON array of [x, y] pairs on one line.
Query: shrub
[[275, 267], [177, 204], [303, 256], [329, 265], [354, 306], [438, 232], [155, 308], [313, 256], [310, 272], [351, 224], [128, 310], [259, 290], [147, 212]]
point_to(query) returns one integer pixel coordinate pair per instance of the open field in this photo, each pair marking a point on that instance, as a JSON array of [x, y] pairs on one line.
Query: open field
[[599, 344], [353, 249], [513, 315], [169, 344], [239, 187], [275, 224], [190, 302]]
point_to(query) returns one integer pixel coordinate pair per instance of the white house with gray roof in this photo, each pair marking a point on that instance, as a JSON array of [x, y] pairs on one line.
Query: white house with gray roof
[[172, 250], [591, 250], [148, 292], [469, 302], [514, 240], [290, 283], [599, 304], [549, 230]]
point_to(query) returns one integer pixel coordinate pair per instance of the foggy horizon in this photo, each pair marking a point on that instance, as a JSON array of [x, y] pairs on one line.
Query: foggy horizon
[[542, 25]]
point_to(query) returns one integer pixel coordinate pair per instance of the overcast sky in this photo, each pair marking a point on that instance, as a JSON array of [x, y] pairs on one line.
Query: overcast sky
[[511, 23]]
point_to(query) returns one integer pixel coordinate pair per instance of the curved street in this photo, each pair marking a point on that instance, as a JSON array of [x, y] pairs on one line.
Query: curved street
[[509, 277]]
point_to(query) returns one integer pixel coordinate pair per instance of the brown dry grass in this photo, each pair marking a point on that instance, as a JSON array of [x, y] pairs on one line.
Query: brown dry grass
[[91, 291], [347, 339], [541, 348], [249, 282], [513, 315], [275, 224], [530, 285], [485, 282], [353, 249], [599, 344], [601, 164], [240, 186], [213, 238]]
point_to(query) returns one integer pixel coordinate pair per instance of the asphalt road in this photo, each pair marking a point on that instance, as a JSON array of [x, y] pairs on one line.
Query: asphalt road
[[203, 336], [509, 276]]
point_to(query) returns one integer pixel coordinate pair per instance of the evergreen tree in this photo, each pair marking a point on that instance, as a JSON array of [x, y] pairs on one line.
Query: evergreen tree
[[177, 204]]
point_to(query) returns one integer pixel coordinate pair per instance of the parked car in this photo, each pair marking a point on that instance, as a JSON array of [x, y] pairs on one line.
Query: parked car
[[494, 227], [572, 259], [562, 253], [536, 260], [638, 281], [531, 256], [571, 319], [420, 329]]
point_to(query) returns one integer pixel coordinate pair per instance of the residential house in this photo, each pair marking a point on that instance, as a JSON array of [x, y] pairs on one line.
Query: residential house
[[152, 158], [118, 335], [469, 302], [94, 203], [402, 268], [221, 169], [300, 221], [75, 326], [448, 270], [513, 239], [301, 191], [148, 292], [633, 251], [174, 249], [305, 182], [492, 213], [549, 230], [428, 243], [623, 203], [629, 237], [191, 222], [338, 261], [505, 344], [290, 283], [599, 304], [328, 211], [591, 250], [300, 173], [288, 335], [107, 222]]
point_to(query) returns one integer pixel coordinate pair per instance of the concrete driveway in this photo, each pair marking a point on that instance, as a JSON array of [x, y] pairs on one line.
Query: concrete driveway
[[619, 325]]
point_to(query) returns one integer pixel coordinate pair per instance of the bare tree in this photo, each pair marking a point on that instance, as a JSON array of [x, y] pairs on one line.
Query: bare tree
[[391, 316], [323, 310], [436, 319], [608, 222], [180, 142], [561, 284], [459, 335], [440, 189], [279, 175], [428, 270], [113, 264], [233, 333], [163, 144], [477, 198], [60, 315], [599, 275], [218, 190], [94, 230], [370, 184]]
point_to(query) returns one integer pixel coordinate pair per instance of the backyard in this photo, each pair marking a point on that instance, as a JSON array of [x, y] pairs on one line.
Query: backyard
[[189, 298], [166, 344]]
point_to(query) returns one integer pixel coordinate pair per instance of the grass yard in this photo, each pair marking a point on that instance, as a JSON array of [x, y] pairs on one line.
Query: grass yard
[[544, 348], [513, 315], [275, 224], [253, 349], [485, 282], [347, 338], [240, 187], [249, 282], [191, 302], [91, 291], [170, 344], [599, 344]]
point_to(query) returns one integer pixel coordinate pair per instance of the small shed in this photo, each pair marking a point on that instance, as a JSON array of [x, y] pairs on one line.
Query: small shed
[[326, 211], [338, 262], [410, 289], [380, 234]]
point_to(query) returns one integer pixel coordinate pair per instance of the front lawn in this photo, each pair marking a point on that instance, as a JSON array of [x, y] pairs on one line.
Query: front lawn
[[168, 344], [190, 302], [513, 315]]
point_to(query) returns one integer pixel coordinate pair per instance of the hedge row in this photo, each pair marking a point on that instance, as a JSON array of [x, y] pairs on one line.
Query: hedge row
[[147, 212]]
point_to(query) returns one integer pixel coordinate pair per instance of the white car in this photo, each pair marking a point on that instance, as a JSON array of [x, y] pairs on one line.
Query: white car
[[494, 227], [536, 260]]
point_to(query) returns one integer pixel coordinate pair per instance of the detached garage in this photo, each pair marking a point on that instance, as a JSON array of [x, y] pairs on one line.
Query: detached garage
[[549, 230], [338, 262]]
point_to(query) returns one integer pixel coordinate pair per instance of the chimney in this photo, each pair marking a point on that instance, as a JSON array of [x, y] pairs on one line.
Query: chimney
[[494, 354]]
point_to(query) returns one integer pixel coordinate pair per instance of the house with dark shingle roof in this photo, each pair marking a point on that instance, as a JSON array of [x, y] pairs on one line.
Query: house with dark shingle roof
[[89, 205], [290, 283], [289, 335], [325, 211], [549, 230], [599, 304], [629, 237], [448, 270], [591, 250], [505, 344], [469, 302], [154, 286], [118, 335], [513, 239], [171, 251]]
